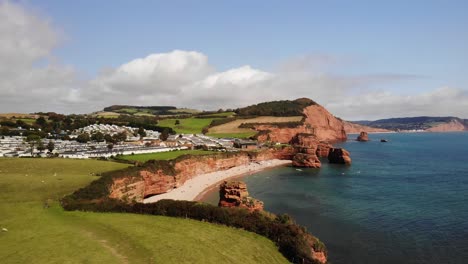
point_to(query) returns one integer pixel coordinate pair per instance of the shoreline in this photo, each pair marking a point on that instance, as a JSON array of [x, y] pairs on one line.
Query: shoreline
[[198, 186]]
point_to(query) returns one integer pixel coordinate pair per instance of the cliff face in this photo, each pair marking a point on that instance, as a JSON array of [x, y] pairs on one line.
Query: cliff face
[[318, 121], [452, 126], [153, 182]]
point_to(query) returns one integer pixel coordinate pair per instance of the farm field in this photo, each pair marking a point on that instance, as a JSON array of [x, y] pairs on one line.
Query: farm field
[[38, 230], [233, 135], [233, 127], [187, 125], [164, 155]]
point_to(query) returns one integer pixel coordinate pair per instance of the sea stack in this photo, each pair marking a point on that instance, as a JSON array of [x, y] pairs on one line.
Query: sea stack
[[306, 151], [363, 137], [235, 194], [339, 156]]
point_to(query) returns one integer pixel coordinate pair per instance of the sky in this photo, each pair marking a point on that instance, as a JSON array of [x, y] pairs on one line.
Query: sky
[[359, 59]]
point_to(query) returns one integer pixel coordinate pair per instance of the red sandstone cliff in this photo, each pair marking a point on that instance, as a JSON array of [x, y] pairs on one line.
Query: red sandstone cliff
[[149, 181], [452, 126], [317, 121]]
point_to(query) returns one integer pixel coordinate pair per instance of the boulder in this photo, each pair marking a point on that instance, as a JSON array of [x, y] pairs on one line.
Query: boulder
[[339, 156], [363, 137]]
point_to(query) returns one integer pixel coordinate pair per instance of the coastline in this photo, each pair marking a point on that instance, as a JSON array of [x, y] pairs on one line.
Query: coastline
[[195, 188]]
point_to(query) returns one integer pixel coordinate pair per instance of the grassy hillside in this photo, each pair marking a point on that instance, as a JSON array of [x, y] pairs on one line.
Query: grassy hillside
[[233, 126], [47, 234], [187, 125], [276, 108], [165, 155]]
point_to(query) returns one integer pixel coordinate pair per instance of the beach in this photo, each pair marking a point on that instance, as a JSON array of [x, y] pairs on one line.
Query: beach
[[199, 184]]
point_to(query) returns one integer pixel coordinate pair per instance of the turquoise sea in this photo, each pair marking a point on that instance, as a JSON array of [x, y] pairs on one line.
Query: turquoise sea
[[404, 201]]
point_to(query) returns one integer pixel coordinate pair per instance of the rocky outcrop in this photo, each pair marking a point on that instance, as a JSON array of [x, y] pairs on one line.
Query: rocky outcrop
[[317, 121], [235, 194], [339, 156], [363, 137]]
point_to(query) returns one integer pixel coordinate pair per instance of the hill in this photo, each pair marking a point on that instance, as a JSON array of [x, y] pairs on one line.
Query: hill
[[280, 121], [354, 128], [420, 123], [38, 230], [277, 108], [148, 110]]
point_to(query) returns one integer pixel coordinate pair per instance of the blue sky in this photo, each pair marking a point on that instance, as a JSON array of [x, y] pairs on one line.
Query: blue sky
[[427, 38], [425, 43]]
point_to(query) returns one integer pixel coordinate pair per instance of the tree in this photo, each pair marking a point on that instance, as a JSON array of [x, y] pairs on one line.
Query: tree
[[41, 121], [205, 130], [141, 132], [33, 140], [108, 138], [40, 146], [83, 138], [98, 136], [5, 131], [177, 122], [110, 146], [119, 137], [50, 146], [164, 135]]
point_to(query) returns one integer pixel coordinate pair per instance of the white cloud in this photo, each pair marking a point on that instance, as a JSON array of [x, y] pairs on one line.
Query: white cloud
[[444, 101], [30, 82], [27, 40]]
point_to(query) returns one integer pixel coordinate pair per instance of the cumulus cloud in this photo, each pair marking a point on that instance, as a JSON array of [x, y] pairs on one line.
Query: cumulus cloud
[[27, 41], [30, 81]]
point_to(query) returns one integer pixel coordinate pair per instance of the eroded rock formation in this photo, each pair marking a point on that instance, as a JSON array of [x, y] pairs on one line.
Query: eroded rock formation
[[235, 194], [323, 148], [339, 156], [363, 137]]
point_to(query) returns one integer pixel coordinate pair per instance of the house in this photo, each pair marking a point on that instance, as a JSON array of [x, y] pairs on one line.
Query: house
[[245, 144]]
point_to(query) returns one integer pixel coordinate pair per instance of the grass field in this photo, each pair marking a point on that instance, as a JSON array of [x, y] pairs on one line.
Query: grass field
[[164, 155], [187, 125], [233, 127], [37, 234], [233, 135]]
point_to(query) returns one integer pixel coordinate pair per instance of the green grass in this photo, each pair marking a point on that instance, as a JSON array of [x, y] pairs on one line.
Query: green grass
[[28, 121], [187, 125], [223, 114], [164, 155], [51, 235], [232, 135]]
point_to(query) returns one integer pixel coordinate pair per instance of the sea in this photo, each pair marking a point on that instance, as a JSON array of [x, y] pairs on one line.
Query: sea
[[402, 201]]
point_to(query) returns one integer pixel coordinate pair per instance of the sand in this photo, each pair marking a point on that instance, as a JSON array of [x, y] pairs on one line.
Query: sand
[[196, 186]]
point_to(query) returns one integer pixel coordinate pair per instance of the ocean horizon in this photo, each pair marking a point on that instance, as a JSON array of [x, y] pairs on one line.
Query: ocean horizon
[[403, 201]]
